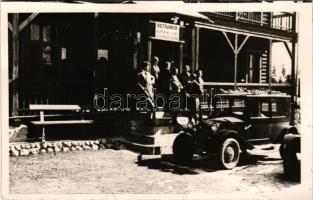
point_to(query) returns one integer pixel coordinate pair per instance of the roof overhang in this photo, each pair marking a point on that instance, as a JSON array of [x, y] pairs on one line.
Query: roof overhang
[[212, 26]]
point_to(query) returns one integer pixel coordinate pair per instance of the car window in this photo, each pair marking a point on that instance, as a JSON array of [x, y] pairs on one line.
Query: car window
[[238, 106], [232, 105], [259, 108], [279, 107]]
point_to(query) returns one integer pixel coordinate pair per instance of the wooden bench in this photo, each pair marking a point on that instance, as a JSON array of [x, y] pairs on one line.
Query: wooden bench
[[42, 123]]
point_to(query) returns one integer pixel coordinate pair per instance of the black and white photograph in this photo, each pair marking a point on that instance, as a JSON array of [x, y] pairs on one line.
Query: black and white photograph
[[146, 102]]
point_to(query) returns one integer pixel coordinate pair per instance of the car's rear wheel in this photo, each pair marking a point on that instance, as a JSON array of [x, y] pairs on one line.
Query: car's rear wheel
[[229, 153], [291, 163], [183, 148]]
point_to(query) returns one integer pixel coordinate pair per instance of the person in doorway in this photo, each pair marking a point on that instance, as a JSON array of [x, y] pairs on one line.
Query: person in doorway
[[199, 79], [100, 75], [186, 76], [155, 70], [165, 79], [175, 88], [145, 82]]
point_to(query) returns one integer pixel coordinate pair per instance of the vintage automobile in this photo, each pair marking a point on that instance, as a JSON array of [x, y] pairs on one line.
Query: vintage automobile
[[236, 122]]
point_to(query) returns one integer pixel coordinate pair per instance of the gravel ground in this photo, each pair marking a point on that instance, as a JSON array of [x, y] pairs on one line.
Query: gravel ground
[[111, 171]]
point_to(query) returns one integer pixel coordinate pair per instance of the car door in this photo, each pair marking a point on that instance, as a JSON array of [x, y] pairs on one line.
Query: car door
[[280, 116], [259, 118]]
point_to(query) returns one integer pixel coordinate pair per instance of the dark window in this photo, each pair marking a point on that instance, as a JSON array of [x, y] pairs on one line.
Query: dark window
[[280, 107], [259, 108], [34, 32]]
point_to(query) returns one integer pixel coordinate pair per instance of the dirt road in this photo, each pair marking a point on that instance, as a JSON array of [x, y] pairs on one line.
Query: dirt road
[[111, 171]]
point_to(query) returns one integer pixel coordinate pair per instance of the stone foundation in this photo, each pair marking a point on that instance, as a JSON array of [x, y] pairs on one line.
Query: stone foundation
[[25, 149]]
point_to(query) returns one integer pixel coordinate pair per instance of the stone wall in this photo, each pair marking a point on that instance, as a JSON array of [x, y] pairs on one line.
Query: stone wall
[[26, 148]]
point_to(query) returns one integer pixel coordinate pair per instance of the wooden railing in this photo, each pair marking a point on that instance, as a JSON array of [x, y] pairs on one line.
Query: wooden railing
[[74, 94], [280, 21], [283, 22]]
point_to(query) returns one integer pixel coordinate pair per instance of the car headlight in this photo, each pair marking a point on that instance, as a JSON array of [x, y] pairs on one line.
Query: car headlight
[[214, 127]]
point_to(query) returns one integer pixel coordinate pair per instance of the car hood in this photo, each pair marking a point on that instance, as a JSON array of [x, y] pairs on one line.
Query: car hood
[[232, 120]]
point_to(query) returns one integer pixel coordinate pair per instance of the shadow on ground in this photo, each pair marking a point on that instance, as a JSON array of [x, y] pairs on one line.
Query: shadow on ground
[[201, 163]]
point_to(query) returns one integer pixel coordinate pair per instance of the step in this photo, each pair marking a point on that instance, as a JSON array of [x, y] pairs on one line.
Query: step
[[150, 130], [141, 138], [146, 149], [151, 122]]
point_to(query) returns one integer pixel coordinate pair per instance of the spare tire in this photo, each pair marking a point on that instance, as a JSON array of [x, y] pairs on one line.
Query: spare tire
[[183, 148]]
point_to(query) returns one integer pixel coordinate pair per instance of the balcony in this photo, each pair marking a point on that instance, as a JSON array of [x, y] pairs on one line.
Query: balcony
[[278, 21]]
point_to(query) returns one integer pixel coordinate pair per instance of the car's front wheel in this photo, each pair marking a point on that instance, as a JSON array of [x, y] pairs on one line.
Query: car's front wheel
[[229, 152]]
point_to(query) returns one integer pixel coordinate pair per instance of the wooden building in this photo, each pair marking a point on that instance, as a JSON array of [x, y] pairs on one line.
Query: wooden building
[[53, 58]]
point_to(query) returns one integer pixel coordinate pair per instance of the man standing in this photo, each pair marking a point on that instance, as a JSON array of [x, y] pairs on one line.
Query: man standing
[[165, 80], [186, 76], [155, 70], [146, 80]]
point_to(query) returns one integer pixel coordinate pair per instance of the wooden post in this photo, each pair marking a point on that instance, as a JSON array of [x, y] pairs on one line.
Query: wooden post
[[135, 42], [236, 51], [270, 44], [15, 63], [43, 134], [193, 49], [293, 70], [236, 16], [181, 55], [149, 50], [235, 61], [95, 52], [271, 20], [197, 47]]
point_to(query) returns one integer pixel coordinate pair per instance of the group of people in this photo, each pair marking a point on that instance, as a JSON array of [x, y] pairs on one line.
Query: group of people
[[167, 81]]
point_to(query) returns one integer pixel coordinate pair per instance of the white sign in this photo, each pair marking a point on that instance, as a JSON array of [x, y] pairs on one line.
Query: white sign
[[63, 53], [165, 31], [103, 53]]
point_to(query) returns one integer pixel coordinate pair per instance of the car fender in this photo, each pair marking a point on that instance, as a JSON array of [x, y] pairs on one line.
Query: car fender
[[244, 143], [286, 130]]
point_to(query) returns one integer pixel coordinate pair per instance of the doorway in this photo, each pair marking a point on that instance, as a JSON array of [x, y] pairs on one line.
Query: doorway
[[166, 51], [253, 67]]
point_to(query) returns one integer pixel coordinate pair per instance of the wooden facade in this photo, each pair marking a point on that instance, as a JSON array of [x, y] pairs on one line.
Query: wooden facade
[[54, 57]]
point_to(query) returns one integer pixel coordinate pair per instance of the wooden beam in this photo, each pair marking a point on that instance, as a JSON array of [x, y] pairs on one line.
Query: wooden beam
[[288, 50], [230, 44], [27, 21], [270, 45], [149, 50], [294, 59], [135, 42], [15, 63], [197, 47], [242, 31], [193, 48], [181, 55], [235, 61], [244, 41], [10, 26]]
